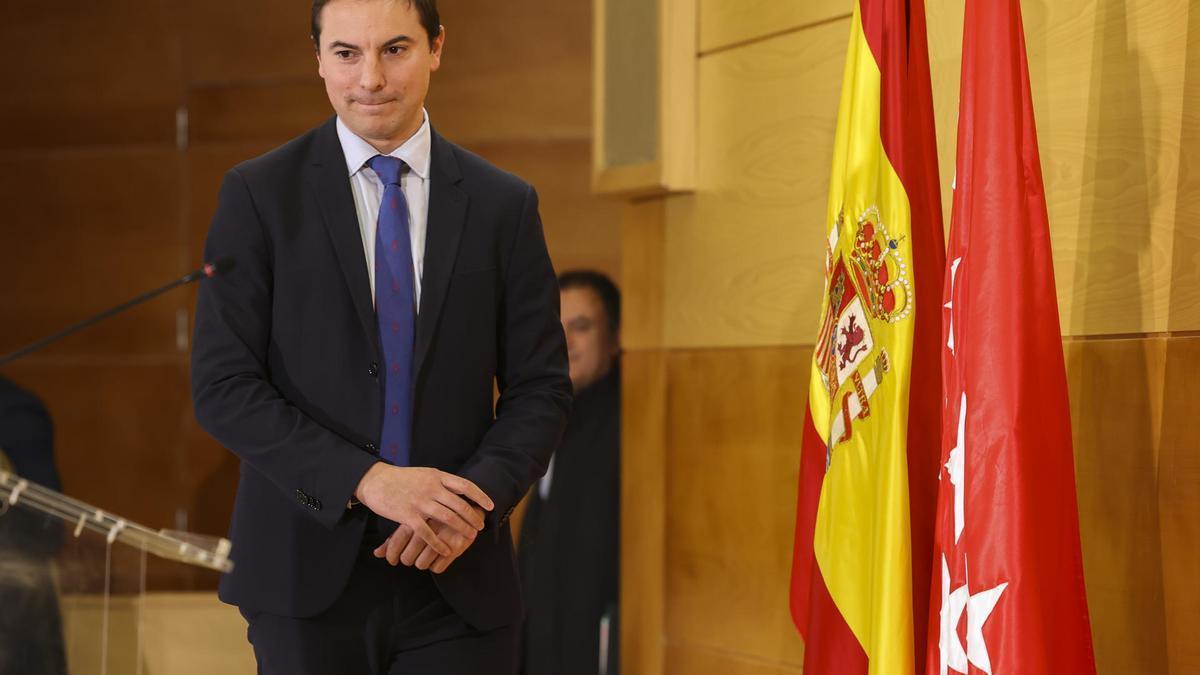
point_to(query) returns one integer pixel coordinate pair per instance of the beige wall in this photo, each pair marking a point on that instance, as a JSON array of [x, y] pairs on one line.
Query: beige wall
[[723, 288]]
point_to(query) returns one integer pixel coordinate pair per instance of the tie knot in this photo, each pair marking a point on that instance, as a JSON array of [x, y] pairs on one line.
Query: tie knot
[[387, 168]]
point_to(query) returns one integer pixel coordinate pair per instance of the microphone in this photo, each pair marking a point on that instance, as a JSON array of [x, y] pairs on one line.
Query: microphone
[[208, 271]]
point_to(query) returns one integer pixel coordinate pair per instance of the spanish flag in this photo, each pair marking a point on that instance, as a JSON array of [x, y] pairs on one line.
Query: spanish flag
[[869, 465]]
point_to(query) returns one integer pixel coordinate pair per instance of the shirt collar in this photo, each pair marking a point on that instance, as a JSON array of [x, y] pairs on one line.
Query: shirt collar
[[414, 152]]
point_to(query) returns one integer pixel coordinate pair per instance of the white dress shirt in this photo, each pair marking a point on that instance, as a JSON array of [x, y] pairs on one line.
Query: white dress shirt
[[368, 194]]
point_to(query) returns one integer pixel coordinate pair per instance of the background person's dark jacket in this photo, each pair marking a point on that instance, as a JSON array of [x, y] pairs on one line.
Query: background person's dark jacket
[[569, 549]]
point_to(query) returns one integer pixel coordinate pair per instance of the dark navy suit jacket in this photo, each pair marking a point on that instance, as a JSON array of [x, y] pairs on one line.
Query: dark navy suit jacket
[[287, 368]]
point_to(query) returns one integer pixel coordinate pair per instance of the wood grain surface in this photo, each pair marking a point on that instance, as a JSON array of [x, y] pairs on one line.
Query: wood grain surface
[[729, 23]]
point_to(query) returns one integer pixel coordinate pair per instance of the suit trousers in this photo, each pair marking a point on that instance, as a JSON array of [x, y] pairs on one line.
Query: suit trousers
[[387, 621]]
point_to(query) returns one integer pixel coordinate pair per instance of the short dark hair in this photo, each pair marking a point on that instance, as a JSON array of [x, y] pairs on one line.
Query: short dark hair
[[603, 287], [426, 9]]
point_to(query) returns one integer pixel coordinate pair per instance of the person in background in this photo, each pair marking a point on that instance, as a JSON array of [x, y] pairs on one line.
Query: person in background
[[31, 640], [569, 545]]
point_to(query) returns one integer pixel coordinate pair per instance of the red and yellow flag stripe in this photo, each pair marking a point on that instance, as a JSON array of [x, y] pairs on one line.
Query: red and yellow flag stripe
[[862, 562]]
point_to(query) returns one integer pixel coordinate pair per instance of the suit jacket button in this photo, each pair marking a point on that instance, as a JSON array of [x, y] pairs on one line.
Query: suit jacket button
[[373, 370], [370, 447]]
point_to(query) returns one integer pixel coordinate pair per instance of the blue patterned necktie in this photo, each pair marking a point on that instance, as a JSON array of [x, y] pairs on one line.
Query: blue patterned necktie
[[395, 308]]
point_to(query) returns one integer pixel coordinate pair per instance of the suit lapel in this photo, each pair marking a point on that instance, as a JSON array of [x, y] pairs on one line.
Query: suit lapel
[[447, 217], [329, 181]]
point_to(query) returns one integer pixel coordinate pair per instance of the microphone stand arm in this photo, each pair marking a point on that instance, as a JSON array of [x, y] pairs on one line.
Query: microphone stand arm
[[208, 271]]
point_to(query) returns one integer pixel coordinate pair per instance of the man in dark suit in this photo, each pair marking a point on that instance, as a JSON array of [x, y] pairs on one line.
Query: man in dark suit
[[569, 551], [383, 279]]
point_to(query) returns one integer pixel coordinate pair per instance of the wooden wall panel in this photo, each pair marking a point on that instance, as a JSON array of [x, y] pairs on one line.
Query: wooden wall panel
[[1179, 501], [582, 230], [744, 253], [514, 70], [85, 230], [734, 425], [224, 113], [1112, 103], [644, 514], [699, 660], [1114, 411], [1184, 307], [726, 23], [262, 41], [732, 433], [1138, 471], [642, 310], [1108, 88], [90, 73]]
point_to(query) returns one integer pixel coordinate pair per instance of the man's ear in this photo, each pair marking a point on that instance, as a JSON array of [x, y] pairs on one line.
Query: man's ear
[[435, 48]]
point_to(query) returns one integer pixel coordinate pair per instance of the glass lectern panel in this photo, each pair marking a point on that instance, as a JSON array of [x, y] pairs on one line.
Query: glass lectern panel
[[73, 581]]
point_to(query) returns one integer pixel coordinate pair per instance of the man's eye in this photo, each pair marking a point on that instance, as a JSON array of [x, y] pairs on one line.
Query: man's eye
[[395, 49], [342, 53]]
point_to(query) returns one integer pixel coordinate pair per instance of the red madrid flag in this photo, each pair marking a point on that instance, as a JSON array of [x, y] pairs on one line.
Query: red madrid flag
[[1007, 589]]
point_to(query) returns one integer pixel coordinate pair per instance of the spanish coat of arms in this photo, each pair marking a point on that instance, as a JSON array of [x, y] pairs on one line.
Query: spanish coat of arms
[[868, 285]]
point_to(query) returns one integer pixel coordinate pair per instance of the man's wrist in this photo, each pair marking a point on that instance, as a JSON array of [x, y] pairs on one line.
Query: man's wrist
[[359, 495]]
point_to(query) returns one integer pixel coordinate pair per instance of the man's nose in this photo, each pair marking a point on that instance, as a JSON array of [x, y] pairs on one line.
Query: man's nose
[[371, 78]]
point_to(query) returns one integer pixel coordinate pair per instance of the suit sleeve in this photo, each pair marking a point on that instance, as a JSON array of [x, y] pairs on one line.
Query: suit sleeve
[[234, 398], [534, 384]]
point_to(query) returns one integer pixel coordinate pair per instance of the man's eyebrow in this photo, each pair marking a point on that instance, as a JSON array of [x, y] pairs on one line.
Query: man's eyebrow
[[396, 40], [338, 44]]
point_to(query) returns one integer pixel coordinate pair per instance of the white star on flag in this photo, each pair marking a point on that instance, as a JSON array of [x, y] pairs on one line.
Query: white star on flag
[[950, 304], [956, 468], [978, 608]]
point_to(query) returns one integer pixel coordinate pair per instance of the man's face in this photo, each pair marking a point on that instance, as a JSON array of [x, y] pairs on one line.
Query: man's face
[[376, 61], [591, 346]]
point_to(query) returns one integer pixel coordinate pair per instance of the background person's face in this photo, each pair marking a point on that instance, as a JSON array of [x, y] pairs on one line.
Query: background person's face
[[591, 346], [376, 61]]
